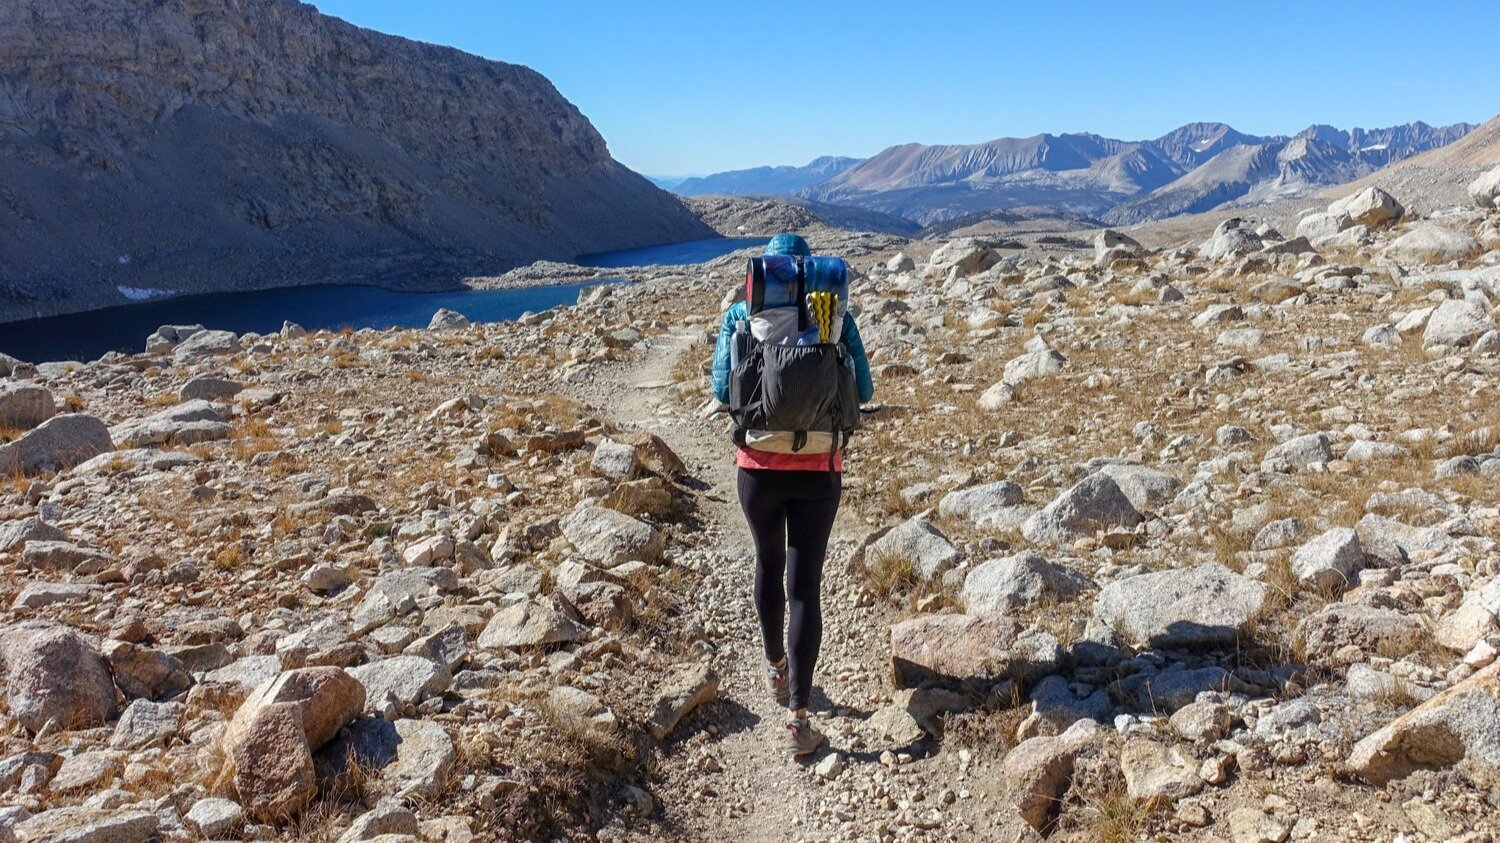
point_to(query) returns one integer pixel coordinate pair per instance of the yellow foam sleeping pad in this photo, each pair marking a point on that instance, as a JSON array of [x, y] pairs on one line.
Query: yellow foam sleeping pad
[[821, 305]]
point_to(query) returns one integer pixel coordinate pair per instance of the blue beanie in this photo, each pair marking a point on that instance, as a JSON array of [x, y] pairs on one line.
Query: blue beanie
[[788, 244]]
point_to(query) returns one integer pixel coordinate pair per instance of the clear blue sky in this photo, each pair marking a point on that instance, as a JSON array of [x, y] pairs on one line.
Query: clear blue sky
[[708, 85]]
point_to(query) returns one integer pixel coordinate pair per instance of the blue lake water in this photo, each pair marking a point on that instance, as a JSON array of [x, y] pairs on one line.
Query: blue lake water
[[693, 251], [87, 336]]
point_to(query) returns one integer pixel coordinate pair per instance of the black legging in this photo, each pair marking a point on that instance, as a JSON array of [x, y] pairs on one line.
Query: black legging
[[790, 515]]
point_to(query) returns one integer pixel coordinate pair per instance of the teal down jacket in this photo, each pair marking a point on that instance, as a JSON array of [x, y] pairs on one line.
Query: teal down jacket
[[739, 312]]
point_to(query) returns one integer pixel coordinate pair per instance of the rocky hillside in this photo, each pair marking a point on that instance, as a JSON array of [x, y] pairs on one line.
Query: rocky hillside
[[1187, 543], [203, 145], [1194, 168]]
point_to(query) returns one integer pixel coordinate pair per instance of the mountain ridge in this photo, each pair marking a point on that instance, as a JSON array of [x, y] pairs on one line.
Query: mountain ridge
[[218, 145], [1195, 167]]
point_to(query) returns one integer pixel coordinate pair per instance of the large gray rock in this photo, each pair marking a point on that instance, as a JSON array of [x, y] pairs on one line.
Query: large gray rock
[[1202, 606], [977, 504], [1033, 365], [1025, 579], [1330, 560], [1298, 453], [146, 724], [192, 421], [207, 343], [1157, 774], [424, 758], [962, 257], [529, 623], [611, 538], [1371, 206], [445, 319], [1146, 488], [1318, 226], [24, 405], [406, 679], [1459, 725], [209, 389], [1230, 239], [1485, 190], [53, 674], [58, 443], [1457, 322], [88, 825], [1327, 634], [968, 648], [920, 542], [1096, 503], [1038, 770], [142, 672], [1432, 243], [215, 817], [15, 534]]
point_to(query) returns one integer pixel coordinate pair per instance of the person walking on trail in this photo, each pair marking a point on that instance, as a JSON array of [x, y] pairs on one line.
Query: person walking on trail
[[791, 366]]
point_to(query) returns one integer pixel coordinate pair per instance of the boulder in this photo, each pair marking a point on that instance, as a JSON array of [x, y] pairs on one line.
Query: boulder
[[1203, 606], [146, 724], [919, 541], [268, 744], [900, 262], [968, 648], [1055, 708], [1022, 580], [1458, 726], [1096, 503], [615, 461], [1371, 206], [1033, 365], [59, 442], [445, 319], [209, 389], [1171, 689], [684, 688], [1373, 631], [1038, 771], [52, 674], [1298, 453], [1330, 560], [980, 505], [529, 623], [1457, 322], [15, 534], [961, 258], [207, 343], [88, 825], [1321, 225], [1432, 243], [1231, 239], [996, 396], [1146, 488], [187, 423], [215, 817], [611, 538], [425, 757], [1158, 775], [145, 673], [406, 679], [24, 405], [35, 595], [1485, 190]]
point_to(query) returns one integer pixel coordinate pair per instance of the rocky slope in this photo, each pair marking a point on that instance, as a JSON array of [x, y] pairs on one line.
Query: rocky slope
[[1194, 168], [220, 144], [1189, 543]]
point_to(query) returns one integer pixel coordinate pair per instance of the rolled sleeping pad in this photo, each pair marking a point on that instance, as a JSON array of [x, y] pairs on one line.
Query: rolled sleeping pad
[[779, 280], [772, 281]]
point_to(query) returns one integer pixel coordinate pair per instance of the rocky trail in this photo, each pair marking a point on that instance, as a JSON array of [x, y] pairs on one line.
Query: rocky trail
[[1198, 543]]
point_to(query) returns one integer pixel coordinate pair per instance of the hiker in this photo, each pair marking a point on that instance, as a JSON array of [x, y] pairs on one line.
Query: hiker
[[790, 365]]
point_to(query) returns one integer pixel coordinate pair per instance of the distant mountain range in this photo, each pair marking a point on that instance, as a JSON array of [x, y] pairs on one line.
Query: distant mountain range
[[1198, 167], [766, 180]]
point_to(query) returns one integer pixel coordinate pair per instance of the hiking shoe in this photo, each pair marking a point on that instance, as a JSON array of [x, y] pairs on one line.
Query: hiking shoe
[[776, 683], [801, 738]]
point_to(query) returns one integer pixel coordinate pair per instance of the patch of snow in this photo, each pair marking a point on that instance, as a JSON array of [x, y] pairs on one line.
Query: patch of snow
[[141, 293], [1377, 146]]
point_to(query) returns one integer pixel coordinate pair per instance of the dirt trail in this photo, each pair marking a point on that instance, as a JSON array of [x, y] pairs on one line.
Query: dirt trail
[[724, 775]]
